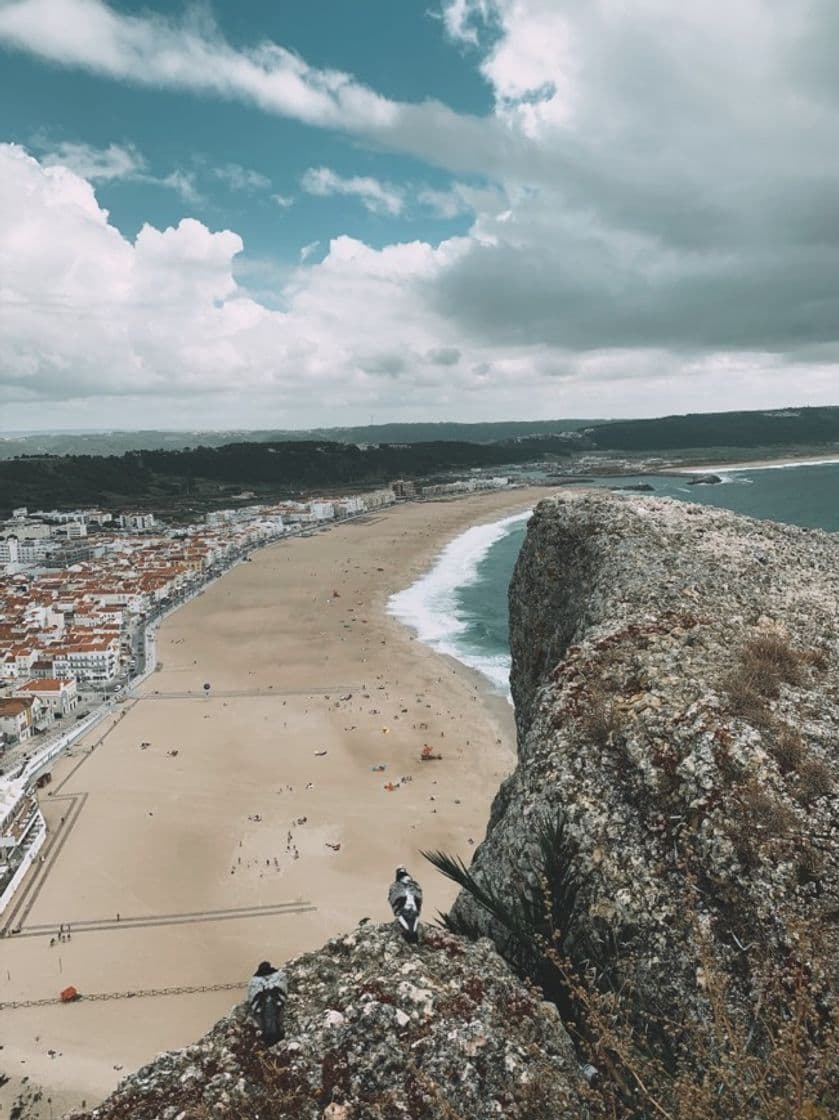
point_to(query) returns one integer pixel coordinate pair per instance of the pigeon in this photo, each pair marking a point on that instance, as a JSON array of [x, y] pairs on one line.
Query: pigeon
[[405, 898], [267, 991]]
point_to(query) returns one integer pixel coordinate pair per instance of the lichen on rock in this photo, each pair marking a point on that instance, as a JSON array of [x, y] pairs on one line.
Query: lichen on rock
[[375, 1030]]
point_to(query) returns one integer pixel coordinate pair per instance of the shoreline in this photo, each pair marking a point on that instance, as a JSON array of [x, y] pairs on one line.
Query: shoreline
[[757, 465], [202, 821]]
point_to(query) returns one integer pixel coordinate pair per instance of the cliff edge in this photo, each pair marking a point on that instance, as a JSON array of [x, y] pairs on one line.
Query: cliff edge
[[676, 681], [376, 1029]]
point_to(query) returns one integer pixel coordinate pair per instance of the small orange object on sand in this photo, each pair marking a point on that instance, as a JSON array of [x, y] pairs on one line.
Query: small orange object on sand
[[69, 994], [390, 787]]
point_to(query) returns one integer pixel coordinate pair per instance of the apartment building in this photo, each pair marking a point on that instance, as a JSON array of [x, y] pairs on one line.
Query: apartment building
[[22, 832], [93, 662]]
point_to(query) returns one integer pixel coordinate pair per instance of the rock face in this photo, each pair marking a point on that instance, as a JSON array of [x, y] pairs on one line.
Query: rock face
[[375, 1030], [676, 681]]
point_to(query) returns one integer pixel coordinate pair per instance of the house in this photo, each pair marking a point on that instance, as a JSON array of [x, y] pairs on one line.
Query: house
[[58, 694], [17, 718]]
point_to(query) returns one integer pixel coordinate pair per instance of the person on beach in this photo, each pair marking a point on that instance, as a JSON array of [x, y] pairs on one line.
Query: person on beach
[[267, 992]]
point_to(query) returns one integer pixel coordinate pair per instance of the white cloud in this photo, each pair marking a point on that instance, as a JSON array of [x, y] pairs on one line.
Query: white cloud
[[284, 201], [308, 250], [97, 164], [114, 163], [181, 181], [444, 204], [191, 54], [377, 197], [462, 17], [86, 313], [659, 221], [240, 178]]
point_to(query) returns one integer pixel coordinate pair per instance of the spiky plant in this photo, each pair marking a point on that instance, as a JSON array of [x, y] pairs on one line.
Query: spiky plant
[[529, 928]]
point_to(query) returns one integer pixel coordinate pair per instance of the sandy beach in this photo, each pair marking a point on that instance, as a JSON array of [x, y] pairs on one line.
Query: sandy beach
[[759, 464], [208, 831]]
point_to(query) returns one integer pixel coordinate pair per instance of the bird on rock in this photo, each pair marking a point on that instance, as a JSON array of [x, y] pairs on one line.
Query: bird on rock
[[405, 898], [267, 991]]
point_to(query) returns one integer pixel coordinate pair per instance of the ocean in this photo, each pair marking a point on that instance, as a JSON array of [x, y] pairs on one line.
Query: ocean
[[460, 606]]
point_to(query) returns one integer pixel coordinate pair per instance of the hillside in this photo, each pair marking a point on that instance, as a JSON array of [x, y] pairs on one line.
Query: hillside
[[118, 442], [203, 475], [788, 427]]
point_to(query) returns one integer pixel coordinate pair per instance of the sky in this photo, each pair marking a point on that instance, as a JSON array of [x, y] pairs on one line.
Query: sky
[[298, 213]]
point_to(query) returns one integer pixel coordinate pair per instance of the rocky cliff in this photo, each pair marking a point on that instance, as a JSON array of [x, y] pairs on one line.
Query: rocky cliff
[[376, 1029], [666, 847], [676, 681]]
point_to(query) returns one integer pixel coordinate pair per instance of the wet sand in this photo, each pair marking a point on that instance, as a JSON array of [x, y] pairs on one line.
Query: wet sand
[[254, 823]]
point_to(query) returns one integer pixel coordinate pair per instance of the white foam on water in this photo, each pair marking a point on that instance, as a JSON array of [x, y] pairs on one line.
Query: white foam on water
[[430, 606], [785, 465]]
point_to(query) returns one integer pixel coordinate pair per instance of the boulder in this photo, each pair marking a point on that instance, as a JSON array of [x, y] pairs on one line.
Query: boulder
[[376, 1029]]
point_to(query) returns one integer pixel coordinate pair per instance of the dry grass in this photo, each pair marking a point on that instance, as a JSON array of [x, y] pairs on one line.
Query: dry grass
[[601, 719], [764, 664], [787, 747], [769, 660], [775, 1058], [757, 818], [814, 780]]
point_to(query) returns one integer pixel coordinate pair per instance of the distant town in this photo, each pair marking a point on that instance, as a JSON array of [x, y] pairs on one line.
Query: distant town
[[82, 593]]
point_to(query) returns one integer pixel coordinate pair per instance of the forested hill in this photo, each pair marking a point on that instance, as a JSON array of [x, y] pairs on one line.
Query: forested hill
[[196, 477], [787, 427], [179, 478], [118, 442]]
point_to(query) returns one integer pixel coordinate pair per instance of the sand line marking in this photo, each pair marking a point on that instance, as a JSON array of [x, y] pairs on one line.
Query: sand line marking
[[199, 694], [155, 921]]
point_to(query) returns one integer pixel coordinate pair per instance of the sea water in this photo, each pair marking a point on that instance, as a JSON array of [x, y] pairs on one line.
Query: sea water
[[460, 606]]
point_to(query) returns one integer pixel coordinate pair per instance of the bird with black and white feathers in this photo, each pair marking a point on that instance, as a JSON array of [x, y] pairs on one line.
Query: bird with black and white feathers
[[267, 992], [405, 898]]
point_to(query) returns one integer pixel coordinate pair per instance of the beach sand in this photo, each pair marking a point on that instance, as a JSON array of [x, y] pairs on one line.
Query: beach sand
[[757, 464], [269, 830]]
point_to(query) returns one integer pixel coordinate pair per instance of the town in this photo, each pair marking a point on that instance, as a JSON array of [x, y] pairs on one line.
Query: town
[[81, 596]]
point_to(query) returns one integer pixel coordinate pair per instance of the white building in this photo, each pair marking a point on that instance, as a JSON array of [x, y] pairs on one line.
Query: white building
[[22, 832], [139, 521], [9, 551], [17, 718], [95, 661], [375, 499], [59, 695], [322, 511], [348, 507]]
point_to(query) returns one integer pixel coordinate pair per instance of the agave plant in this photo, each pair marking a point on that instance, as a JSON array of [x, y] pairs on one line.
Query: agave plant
[[533, 928]]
